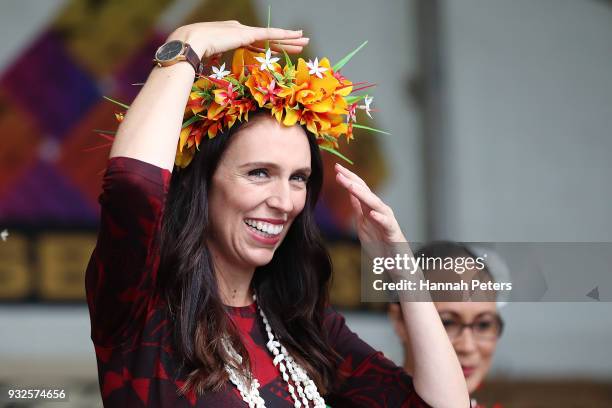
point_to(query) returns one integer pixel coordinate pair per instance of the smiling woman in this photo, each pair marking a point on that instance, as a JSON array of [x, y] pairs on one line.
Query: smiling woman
[[473, 307], [209, 282], [260, 188], [242, 209]]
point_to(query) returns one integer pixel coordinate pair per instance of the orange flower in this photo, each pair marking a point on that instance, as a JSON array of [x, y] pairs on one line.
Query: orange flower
[[310, 94], [258, 83], [323, 94], [244, 106], [184, 157], [225, 96], [242, 58]]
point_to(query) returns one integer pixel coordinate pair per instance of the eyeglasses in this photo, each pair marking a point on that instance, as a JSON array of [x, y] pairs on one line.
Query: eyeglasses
[[485, 327]]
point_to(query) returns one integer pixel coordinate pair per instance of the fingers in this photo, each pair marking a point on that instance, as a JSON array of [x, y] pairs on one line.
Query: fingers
[[359, 204], [356, 204], [291, 46], [360, 208], [298, 42], [276, 48], [350, 175], [383, 220], [363, 193], [275, 33], [291, 49], [368, 206], [259, 49], [302, 41]]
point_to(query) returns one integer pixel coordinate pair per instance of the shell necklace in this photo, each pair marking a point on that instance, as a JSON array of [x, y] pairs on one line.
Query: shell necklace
[[302, 389]]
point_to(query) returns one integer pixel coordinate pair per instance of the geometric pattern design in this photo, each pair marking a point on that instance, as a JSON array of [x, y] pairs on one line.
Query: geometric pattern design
[[51, 86], [51, 101], [42, 193]]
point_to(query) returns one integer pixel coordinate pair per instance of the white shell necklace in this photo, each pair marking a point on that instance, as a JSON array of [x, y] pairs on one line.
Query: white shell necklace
[[293, 374]]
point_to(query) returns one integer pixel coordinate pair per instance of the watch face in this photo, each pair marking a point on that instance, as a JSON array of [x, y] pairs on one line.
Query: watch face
[[169, 51]]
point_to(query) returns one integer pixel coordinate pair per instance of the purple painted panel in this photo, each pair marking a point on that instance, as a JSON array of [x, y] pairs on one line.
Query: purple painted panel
[[48, 83], [137, 68], [41, 195]]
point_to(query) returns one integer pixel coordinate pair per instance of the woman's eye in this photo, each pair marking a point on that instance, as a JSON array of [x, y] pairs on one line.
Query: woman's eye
[[449, 323], [484, 325], [258, 173], [300, 177]]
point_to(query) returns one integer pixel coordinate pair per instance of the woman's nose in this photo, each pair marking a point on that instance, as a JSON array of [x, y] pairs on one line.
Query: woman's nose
[[280, 198], [465, 341]]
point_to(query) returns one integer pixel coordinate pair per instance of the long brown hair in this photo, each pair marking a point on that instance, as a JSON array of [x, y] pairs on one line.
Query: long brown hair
[[292, 289]]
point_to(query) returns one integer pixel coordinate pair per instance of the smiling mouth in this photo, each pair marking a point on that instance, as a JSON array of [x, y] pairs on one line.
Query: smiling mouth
[[467, 371], [265, 229]]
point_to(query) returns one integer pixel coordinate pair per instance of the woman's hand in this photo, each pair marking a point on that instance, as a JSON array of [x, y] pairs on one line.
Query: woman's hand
[[210, 38], [376, 222], [377, 228]]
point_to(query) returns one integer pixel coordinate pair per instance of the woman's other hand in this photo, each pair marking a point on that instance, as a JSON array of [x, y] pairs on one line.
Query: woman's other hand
[[377, 228], [376, 222], [210, 38]]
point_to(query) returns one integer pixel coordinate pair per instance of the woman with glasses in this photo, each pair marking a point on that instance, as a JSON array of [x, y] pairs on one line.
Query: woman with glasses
[[474, 327]]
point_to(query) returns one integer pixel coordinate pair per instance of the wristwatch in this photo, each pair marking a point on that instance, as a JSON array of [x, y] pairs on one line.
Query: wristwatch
[[175, 51]]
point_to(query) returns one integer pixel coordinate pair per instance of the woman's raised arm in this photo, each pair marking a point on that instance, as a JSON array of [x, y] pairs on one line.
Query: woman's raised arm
[[437, 375], [151, 128]]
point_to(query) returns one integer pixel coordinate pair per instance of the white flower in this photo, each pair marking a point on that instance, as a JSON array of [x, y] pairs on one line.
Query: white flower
[[367, 100], [266, 63], [220, 72], [315, 68]]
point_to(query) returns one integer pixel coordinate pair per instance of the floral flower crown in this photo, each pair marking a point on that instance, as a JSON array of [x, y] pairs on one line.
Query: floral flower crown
[[310, 93]]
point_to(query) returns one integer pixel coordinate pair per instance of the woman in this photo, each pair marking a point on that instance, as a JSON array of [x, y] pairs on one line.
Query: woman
[[208, 286], [473, 327]]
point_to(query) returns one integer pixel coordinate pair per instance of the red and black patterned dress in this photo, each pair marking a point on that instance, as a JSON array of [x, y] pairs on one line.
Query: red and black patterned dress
[[132, 335]]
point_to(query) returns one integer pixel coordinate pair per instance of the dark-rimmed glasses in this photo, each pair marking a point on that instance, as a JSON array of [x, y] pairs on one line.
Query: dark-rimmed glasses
[[487, 326]]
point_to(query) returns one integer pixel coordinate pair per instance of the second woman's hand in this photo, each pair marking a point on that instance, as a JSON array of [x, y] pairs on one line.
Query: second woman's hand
[[210, 38]]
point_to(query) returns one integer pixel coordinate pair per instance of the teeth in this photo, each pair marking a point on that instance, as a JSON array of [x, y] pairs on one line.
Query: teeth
[[266, 227]]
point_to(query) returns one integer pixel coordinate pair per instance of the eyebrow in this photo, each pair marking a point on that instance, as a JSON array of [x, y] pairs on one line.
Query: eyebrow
[[306, 170]]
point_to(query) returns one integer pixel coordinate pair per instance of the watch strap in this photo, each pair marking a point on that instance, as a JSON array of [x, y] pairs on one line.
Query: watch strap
[[193, 59]]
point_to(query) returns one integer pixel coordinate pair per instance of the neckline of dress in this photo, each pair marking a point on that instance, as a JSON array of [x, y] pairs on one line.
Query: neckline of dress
[[242, 310]]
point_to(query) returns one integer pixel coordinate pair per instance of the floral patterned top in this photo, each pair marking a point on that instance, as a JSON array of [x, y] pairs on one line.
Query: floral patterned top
[[132, 334]]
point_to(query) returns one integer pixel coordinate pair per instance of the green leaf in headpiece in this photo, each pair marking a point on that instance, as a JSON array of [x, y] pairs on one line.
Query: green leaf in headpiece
[[278, 77], [268, 26], [371, 129], [123, 105], [335, 152], [189, 121], [105, 132], [346, 59], [287, 59], [354, 98]]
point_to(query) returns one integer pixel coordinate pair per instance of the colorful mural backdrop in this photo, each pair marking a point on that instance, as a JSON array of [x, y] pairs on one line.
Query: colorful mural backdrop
[[52, 161]]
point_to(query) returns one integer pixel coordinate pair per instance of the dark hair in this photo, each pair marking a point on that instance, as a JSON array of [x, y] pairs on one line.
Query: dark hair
[[292, 289]]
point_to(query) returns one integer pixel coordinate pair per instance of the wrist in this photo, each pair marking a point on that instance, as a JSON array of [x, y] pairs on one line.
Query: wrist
[[186, 37], [175, 51]]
